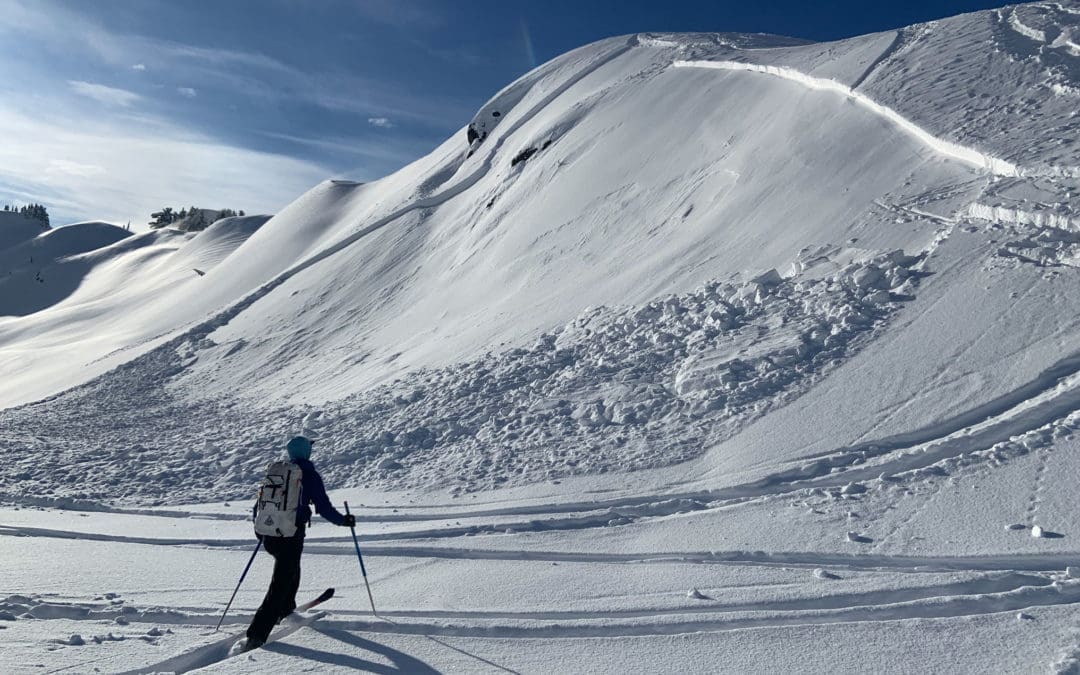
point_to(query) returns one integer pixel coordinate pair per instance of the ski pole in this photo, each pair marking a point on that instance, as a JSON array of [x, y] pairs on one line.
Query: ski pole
[[363, 571], [253, 554]]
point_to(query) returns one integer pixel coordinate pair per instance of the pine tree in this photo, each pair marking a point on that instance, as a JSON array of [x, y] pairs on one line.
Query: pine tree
[[162, 218]]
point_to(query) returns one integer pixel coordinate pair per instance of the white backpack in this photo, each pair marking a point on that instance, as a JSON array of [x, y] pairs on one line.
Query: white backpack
[[278, 501]]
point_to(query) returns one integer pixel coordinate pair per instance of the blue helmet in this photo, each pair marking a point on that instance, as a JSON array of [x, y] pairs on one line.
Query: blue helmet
[[299, 447]]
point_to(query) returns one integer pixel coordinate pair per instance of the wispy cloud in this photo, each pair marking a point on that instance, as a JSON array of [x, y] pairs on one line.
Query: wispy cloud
[[104, 171], [245, 73], [187, 92], [389, 152], [104, 94], [139, 66], [381, 122], [69, 168]]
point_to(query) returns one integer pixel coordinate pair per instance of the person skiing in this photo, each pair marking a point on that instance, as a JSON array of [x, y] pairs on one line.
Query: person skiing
[[287, 546]]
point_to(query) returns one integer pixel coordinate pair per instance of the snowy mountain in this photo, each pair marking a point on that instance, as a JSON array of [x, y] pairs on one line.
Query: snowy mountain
[[794, 326], [16, 229]]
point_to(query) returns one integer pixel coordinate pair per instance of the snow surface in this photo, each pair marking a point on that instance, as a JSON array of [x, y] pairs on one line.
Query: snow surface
[[715, 343]]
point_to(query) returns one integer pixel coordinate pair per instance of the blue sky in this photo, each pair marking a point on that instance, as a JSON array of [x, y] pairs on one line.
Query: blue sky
[[110, 109]]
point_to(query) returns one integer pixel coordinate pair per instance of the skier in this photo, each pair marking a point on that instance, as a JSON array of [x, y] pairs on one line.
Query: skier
[[280, 599]]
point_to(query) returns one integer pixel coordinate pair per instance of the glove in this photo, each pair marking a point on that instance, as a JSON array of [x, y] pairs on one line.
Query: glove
[[350, 520]]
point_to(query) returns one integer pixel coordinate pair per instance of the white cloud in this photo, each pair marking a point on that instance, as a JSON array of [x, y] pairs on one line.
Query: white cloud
[[138, 66], [104, 94], [380, 122], [70, 168], [187, 91]]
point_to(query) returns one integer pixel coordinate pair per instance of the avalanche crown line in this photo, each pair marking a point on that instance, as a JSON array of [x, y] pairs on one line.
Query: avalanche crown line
[[980, 160]]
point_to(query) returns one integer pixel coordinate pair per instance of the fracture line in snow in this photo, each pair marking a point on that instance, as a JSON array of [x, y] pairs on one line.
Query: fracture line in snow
[[1003, 214], [980, 160], [1023, 29]]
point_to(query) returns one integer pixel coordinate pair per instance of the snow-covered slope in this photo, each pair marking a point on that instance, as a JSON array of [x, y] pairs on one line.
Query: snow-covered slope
[[702, 298], [88, 293], [16, 229]]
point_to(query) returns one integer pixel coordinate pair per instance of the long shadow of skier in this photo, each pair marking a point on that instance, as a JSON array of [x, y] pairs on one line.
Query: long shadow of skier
[[402, 662], [458, 650]]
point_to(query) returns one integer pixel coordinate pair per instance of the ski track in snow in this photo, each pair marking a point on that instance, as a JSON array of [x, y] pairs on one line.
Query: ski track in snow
[[898, 43], [585, 625], [1042, 562], [955, 606], [987, 595], [1042, 458], [927, 500]]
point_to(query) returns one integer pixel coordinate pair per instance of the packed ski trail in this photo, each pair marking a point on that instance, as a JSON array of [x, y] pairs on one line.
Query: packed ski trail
[[849, 426]]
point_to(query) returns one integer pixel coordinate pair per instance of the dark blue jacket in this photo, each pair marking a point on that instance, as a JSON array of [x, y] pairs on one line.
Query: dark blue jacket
[[314, 492]]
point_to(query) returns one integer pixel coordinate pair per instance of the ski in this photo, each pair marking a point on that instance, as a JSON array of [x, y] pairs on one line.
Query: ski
[[290, 624], [323, 597], [287, 627], [222, 649]]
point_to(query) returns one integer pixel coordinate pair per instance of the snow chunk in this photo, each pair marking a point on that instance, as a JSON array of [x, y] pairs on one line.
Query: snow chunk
[[75, 640], [825, 574], [1037, 531], [770, 278], [47, 610], [695, 594], [389, 464], [853, 489], [868, 277], [98, 639]]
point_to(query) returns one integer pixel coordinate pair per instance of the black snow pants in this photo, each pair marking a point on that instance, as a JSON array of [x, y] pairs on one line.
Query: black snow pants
[[280, 599]]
